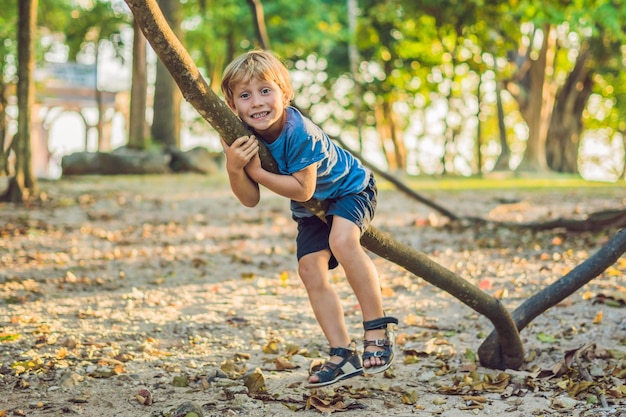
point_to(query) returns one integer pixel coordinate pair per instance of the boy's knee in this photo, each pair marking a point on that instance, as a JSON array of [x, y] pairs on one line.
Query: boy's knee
[[343, 245], [308, 266], [312, 268]]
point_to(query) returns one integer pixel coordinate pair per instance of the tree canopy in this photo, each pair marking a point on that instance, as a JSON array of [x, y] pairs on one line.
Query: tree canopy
[[439, 87]]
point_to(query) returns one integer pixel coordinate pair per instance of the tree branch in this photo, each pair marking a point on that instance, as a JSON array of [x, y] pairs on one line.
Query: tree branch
[[557, 292], [503, 348]]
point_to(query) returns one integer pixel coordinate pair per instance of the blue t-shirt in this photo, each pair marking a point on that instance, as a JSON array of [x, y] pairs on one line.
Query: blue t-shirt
[[302, 143]]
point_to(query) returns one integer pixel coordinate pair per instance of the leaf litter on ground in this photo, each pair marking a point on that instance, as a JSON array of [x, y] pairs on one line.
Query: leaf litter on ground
[[165, 292]]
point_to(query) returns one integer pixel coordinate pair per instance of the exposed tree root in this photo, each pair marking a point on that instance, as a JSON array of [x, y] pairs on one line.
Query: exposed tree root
[[490, 351]]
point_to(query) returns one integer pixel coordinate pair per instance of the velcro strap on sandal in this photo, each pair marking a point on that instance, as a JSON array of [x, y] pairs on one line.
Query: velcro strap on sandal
[[379, 323], [339, 351]]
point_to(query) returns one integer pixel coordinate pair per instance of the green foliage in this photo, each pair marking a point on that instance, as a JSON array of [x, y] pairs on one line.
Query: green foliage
[[413, 52], [77, 23], [54, 16], [90, 25], [8, 46], [215, 32]]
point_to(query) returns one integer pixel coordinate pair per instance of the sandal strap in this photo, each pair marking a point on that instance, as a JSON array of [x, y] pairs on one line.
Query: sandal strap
[[349, 366], [379, 323], [343, 352], [383, 354], [376, 342]]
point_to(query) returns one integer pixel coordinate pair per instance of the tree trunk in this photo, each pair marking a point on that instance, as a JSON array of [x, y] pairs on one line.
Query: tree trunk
[[384, 134], [137, 137], [258, 17], [122, 161], [397, 137], [502, 163], [354, 58], [167, 98], [24, 184], [103, 137], [479, 131], [536, 103], [623, 175], [390, 135], [563, 138], [4, 150]]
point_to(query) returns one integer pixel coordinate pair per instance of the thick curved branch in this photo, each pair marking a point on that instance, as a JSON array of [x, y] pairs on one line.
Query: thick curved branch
[[489, 350], [512, 354], [197, 92]]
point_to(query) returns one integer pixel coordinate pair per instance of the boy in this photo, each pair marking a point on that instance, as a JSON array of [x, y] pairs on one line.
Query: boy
[[257, 88]]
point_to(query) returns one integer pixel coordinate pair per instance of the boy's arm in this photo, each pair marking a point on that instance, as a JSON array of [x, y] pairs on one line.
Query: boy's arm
[[238, 155], [298, 186]]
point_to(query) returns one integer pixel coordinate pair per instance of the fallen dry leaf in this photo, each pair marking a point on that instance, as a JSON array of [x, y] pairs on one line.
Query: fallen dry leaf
[[255, 382], [283, 364]]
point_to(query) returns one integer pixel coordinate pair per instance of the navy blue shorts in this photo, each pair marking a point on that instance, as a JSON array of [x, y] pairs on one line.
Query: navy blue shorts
[[313, 233]]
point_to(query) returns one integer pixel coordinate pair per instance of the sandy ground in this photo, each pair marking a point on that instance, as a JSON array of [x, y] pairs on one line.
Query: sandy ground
[[116, 285]]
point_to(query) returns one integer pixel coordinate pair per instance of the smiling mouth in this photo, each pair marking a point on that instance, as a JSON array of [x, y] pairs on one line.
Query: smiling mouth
[[259, 115]]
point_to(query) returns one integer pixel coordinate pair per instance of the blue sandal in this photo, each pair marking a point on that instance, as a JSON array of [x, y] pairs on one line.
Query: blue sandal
[[386, 344], [330, 372]]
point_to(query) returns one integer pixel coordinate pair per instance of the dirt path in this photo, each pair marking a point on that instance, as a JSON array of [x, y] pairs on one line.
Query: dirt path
[[114, 285]]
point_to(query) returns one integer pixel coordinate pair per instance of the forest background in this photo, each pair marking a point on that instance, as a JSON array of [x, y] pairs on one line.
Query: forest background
[[419, 87]]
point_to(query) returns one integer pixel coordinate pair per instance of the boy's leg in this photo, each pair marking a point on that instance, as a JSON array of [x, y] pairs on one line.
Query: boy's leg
[[361, 273], [313, 270]]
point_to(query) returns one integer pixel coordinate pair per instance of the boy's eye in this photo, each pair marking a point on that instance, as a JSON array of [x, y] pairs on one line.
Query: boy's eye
[[244, 95], [265, 90]]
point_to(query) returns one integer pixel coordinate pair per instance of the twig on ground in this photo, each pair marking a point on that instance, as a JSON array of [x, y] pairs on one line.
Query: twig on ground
[[587, 375]]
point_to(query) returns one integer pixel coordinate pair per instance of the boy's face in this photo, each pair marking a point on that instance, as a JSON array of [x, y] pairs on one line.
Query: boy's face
[[260, 104]]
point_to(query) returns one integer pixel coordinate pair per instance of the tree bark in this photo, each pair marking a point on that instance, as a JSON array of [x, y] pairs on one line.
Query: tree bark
[[391, 138], [122, 161], [104, 137], [479, 130], [23, 185], [502, 163], [384, 133], [531, 308], [354, 58], [137, 135], [167, 98], [623, 175], [536, 103], [258, 17], [4, 150], [563, 139]]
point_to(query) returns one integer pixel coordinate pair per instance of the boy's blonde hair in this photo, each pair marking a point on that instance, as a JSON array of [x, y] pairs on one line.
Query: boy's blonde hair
[[259, 64]]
